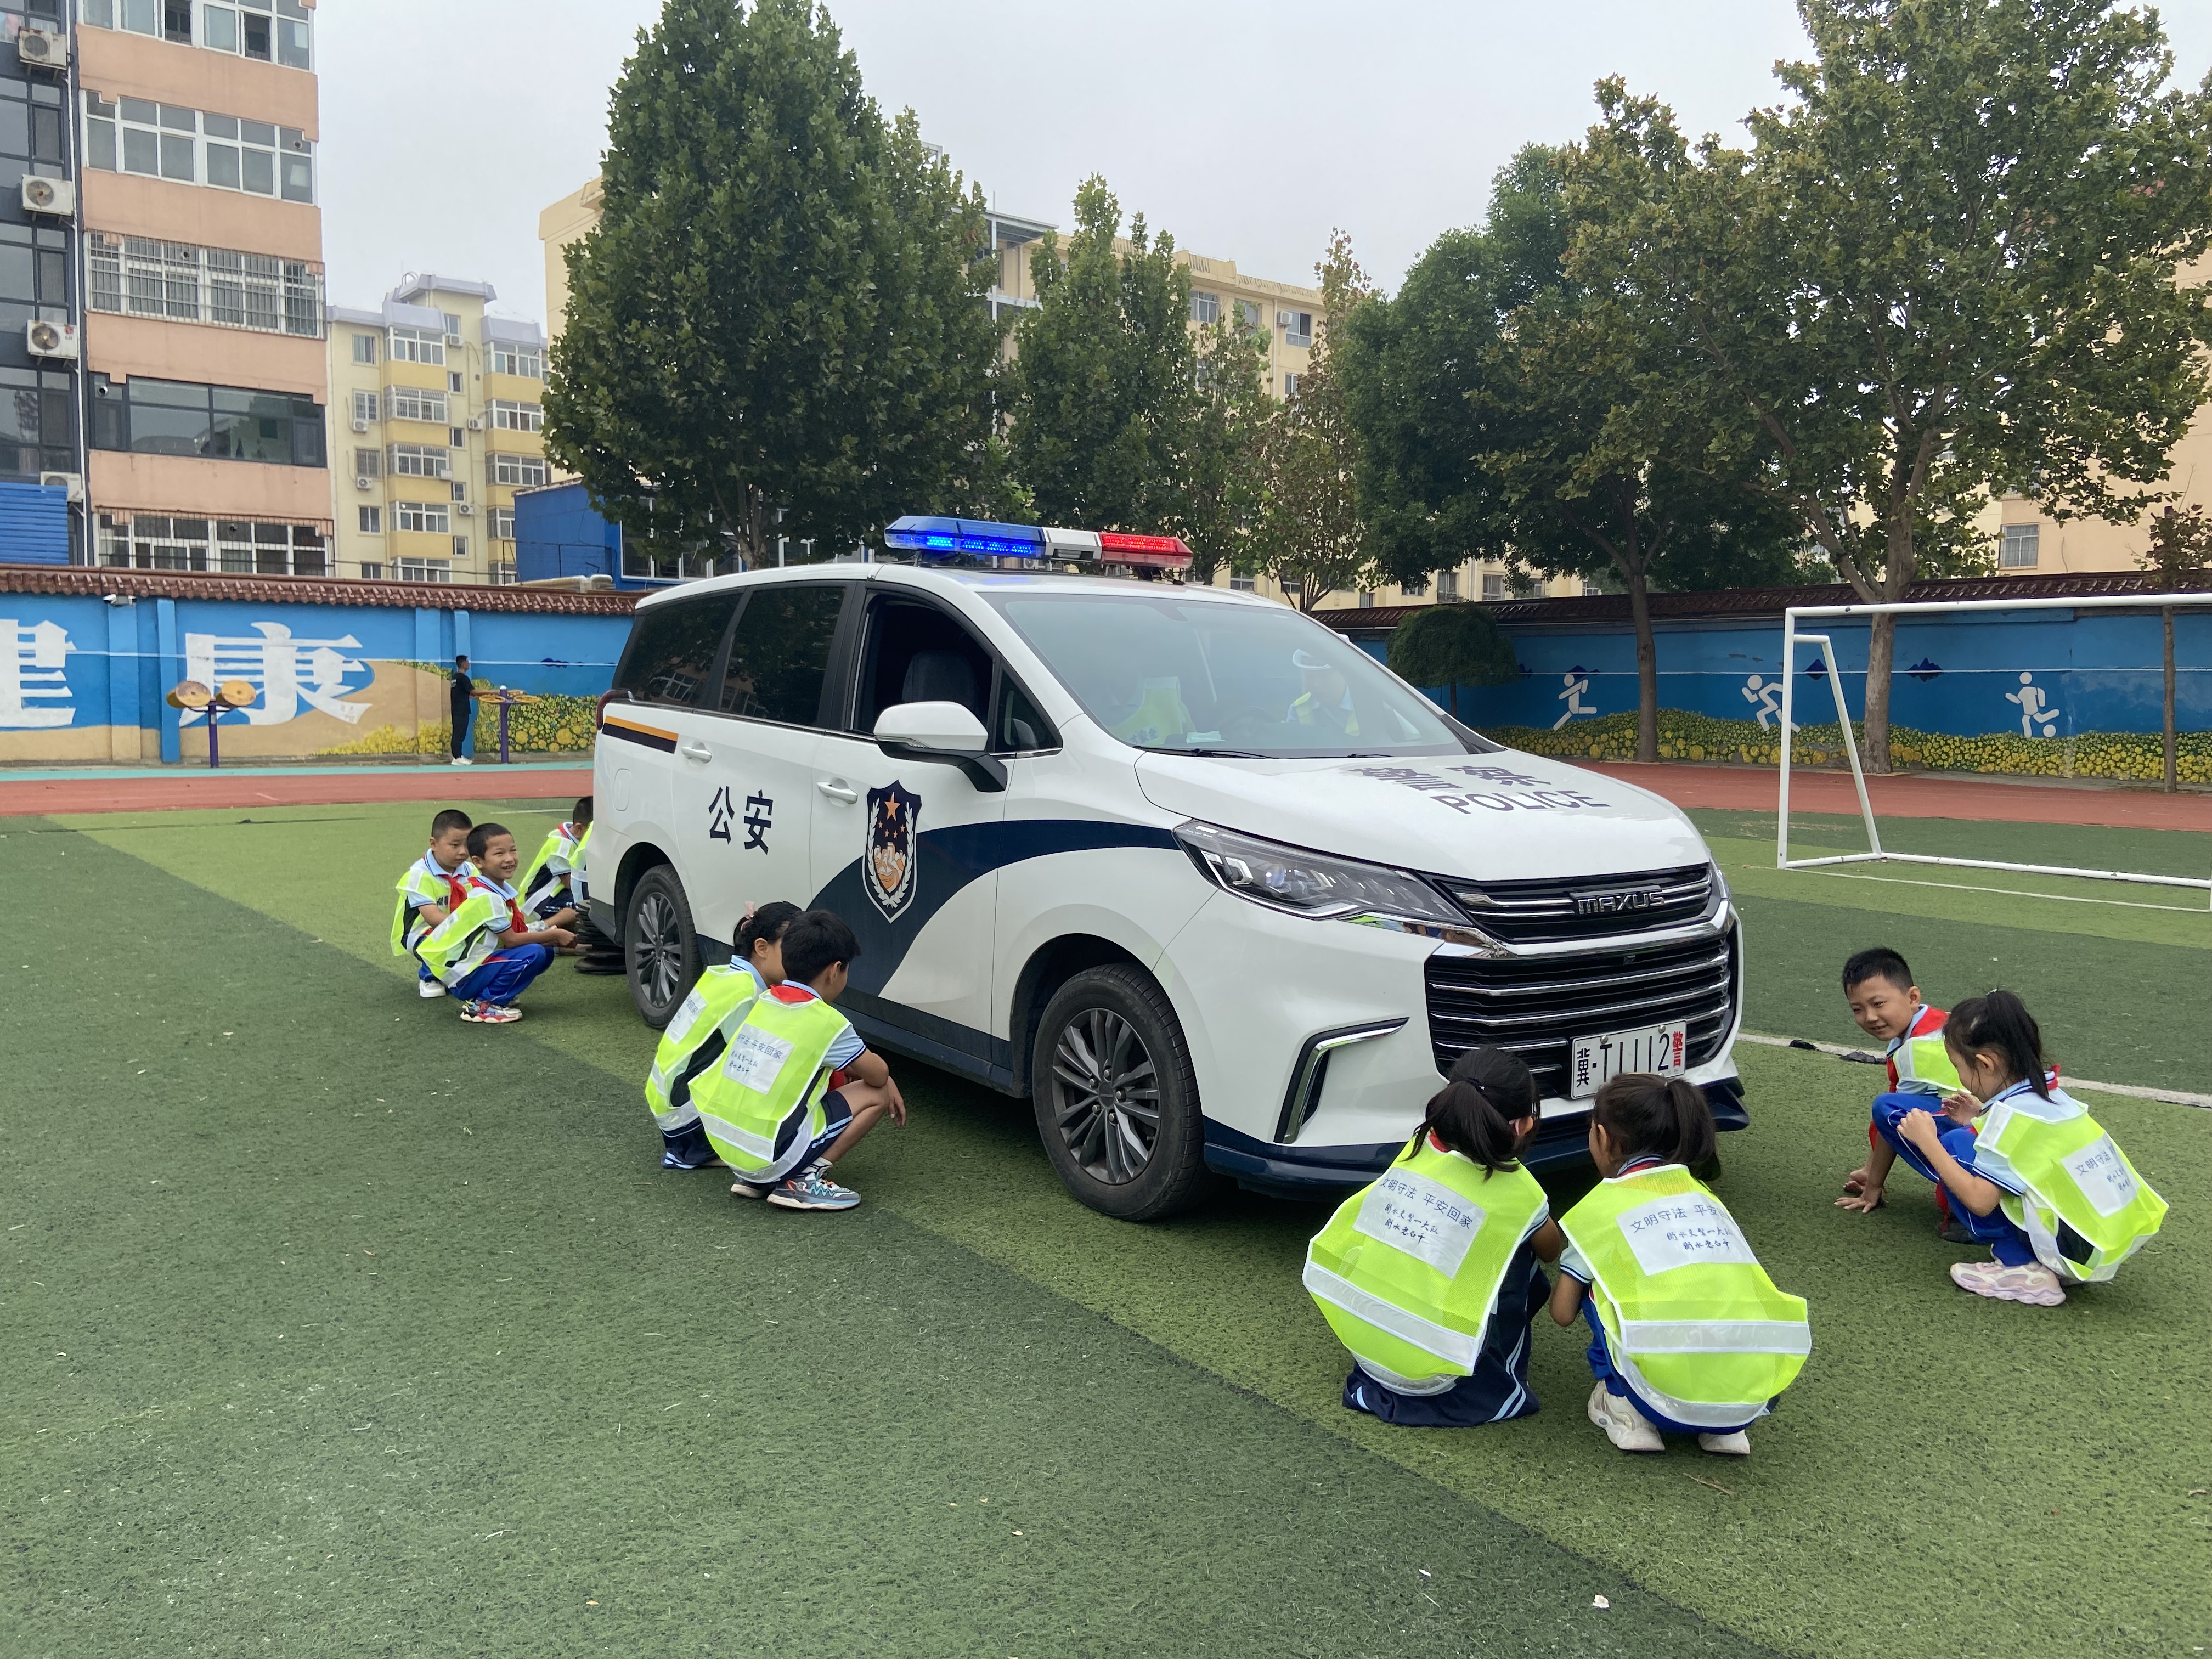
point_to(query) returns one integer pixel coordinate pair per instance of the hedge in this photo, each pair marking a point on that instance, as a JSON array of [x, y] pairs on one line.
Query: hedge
[[2134, 755]]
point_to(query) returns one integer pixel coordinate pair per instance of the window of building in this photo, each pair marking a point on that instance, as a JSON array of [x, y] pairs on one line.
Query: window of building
[[33, 277], [372, 570], [517, 418], [1298, 328], [1493, 588], [432, 517], [1366, 599], [1414, 587], [237, 547], [1242, 583], [522, 471], [34, 423], [371, 520], [417, 345], [407, 403], [185, 283], [368, 463], [364, 407], [212, 422], [425, 570], [364, 348], [511, 357], [460, 548], [502, 573], [500, 523], [1290, 386], [1205, 308], [31, 123], [1446, 587], [453, 380], [460, 490], [2021, 548], [272, 31], [188, 146], [419, 461], [453, 328], [459, 439]]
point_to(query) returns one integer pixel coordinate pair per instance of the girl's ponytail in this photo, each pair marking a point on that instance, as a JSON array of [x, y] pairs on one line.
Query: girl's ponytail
[[765, 921], [2000, 1022], [1474, 1115], [1648, 1116]]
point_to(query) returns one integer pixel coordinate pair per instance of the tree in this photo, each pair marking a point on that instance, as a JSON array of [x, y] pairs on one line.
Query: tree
[[1453, 645], [781, 311], [2180, 556], [1947, 271], [1101, 387], [1219, 483], [1504, 440], [1310, 537]]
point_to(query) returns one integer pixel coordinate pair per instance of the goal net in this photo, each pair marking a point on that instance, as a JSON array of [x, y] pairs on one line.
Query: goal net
[[2039, 716]]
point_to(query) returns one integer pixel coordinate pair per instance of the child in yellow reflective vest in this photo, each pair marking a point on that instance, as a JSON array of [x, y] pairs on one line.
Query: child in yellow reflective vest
[[429, 891], [2037, 1178], [549, 885], [1688, 1335], [1886, 1005], [700, 1031], [1429, 1275]]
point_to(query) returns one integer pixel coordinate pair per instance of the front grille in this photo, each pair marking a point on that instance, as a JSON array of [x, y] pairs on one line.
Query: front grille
[[1585, 907], [1537, 1005]]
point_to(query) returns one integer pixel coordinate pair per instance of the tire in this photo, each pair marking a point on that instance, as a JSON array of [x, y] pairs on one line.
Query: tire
[[1137, 1152], [660, 949]]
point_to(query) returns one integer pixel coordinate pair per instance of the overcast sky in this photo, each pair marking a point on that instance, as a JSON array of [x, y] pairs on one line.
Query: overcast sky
[[1247, 130]]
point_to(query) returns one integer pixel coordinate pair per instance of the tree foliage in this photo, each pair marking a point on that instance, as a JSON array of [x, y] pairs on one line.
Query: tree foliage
[[1220, 485], [2178, 556], [1947, 269], [1311, 535], [1453, 645], [781, 307]]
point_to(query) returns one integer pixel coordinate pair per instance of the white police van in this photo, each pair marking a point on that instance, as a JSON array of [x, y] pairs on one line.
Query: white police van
[[1192, 872]]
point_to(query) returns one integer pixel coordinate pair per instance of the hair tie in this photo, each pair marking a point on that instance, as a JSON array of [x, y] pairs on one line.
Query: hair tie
[[750, 907]]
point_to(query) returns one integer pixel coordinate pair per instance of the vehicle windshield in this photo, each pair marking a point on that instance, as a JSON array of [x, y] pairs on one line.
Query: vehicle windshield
[[1188, 676]]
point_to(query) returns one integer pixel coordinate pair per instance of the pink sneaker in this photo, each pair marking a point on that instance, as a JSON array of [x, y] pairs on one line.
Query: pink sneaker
[[2036, 1284]]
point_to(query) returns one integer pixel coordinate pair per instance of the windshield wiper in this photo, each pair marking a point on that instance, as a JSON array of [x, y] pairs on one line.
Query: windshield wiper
[[1217, 754]]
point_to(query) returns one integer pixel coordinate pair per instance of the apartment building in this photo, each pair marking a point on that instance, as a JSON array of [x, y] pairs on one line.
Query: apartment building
[[441, 413], [41, 430], [204, 382]]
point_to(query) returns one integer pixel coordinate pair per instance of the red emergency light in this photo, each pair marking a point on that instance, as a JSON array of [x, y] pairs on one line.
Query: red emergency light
[[1119, 549]]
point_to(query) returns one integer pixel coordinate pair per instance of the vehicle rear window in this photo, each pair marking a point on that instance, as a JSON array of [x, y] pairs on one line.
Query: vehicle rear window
[[781, 655], [673, 649]]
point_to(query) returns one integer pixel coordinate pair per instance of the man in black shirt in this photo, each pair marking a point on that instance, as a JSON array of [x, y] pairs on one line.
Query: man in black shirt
[[464, 708]]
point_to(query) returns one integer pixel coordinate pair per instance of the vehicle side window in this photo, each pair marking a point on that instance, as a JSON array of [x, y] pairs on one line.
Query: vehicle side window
[[673, 649], [779, 657], [1019, 728], [917, 653]]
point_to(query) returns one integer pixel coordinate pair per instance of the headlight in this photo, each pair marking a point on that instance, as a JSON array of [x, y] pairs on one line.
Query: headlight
[[1310, 884]]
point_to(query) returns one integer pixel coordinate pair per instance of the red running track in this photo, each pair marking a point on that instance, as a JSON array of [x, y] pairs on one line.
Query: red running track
[[33, 796], [1914, 796]]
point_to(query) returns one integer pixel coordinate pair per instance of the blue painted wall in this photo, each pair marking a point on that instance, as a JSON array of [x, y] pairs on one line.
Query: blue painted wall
[[33, 523], [1961, 674]]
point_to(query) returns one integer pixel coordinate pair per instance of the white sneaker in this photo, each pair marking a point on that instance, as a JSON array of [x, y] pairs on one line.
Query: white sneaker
[[428, 989], [462, 760], [1735, 1443], [1626, 1427], [2034, 1284]]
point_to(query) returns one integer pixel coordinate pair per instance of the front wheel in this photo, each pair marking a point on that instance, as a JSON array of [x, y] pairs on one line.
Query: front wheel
[[1116, 1100], [658, 946]]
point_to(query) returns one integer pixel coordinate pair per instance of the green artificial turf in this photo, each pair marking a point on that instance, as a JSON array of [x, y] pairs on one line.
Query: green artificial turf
[[230, 1429]]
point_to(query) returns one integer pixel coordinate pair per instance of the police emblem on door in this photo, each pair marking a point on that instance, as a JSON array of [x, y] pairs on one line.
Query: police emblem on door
[[888, 869]]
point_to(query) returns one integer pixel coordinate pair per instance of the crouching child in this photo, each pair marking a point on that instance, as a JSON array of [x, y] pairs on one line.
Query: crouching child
[[486, 953]]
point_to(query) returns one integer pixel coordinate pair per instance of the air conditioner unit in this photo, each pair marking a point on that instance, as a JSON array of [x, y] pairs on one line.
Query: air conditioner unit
[[359, 424], [1283, 319], [72, 482], [54, 196], [43, 48], [364, 483], [476, 423], [54, 340], [453, 339], [463, 508]]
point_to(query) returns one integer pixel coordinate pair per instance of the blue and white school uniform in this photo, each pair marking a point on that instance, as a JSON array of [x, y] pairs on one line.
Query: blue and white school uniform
[[505, 974], [2008, 1243], [460, 876]]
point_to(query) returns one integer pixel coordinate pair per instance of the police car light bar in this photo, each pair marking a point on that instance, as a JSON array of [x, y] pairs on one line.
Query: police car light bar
[[1161, 551], [949, 537]]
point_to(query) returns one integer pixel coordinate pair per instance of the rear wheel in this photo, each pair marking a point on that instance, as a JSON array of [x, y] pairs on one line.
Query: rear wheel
[[1116, 1100], [660, 946]]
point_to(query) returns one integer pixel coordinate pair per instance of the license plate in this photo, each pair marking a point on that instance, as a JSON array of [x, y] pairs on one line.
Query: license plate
[[1662, 1049]]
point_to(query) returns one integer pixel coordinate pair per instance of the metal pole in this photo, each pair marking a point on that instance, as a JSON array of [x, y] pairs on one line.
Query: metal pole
[[1789, 682], [1850, 744], [503, 725], [215, 717]]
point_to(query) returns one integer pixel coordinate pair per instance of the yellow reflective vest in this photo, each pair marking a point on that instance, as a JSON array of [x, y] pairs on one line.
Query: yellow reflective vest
[[423, 881], [1921, 1061], [761, 1107], [1408, 1270], [2068, 1186], [1692, 1322], [695, 1039], [457, 946], [558, 856]]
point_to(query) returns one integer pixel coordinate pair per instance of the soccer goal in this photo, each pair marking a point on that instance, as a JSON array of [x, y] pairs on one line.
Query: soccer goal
[[2030, 701]]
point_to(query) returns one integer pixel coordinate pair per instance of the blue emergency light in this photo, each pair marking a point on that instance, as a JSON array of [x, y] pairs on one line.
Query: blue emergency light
[[947, 538]]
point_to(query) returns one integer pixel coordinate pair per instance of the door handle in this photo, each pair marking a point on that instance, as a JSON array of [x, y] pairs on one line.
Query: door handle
[[837, 790], [697, 751]]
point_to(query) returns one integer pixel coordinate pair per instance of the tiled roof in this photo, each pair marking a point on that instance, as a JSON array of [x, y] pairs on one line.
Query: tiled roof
[[1601, 609], [96, 581]]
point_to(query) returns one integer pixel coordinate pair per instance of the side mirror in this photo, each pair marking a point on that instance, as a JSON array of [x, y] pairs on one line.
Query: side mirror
[[943, 731]]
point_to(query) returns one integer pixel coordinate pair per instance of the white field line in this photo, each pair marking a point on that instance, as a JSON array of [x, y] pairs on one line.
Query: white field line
[[2176, 1096], [2010, 892]]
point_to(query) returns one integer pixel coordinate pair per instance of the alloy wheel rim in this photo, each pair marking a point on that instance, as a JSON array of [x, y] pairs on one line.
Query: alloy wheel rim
[[660, 949], [1106, 1096]]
